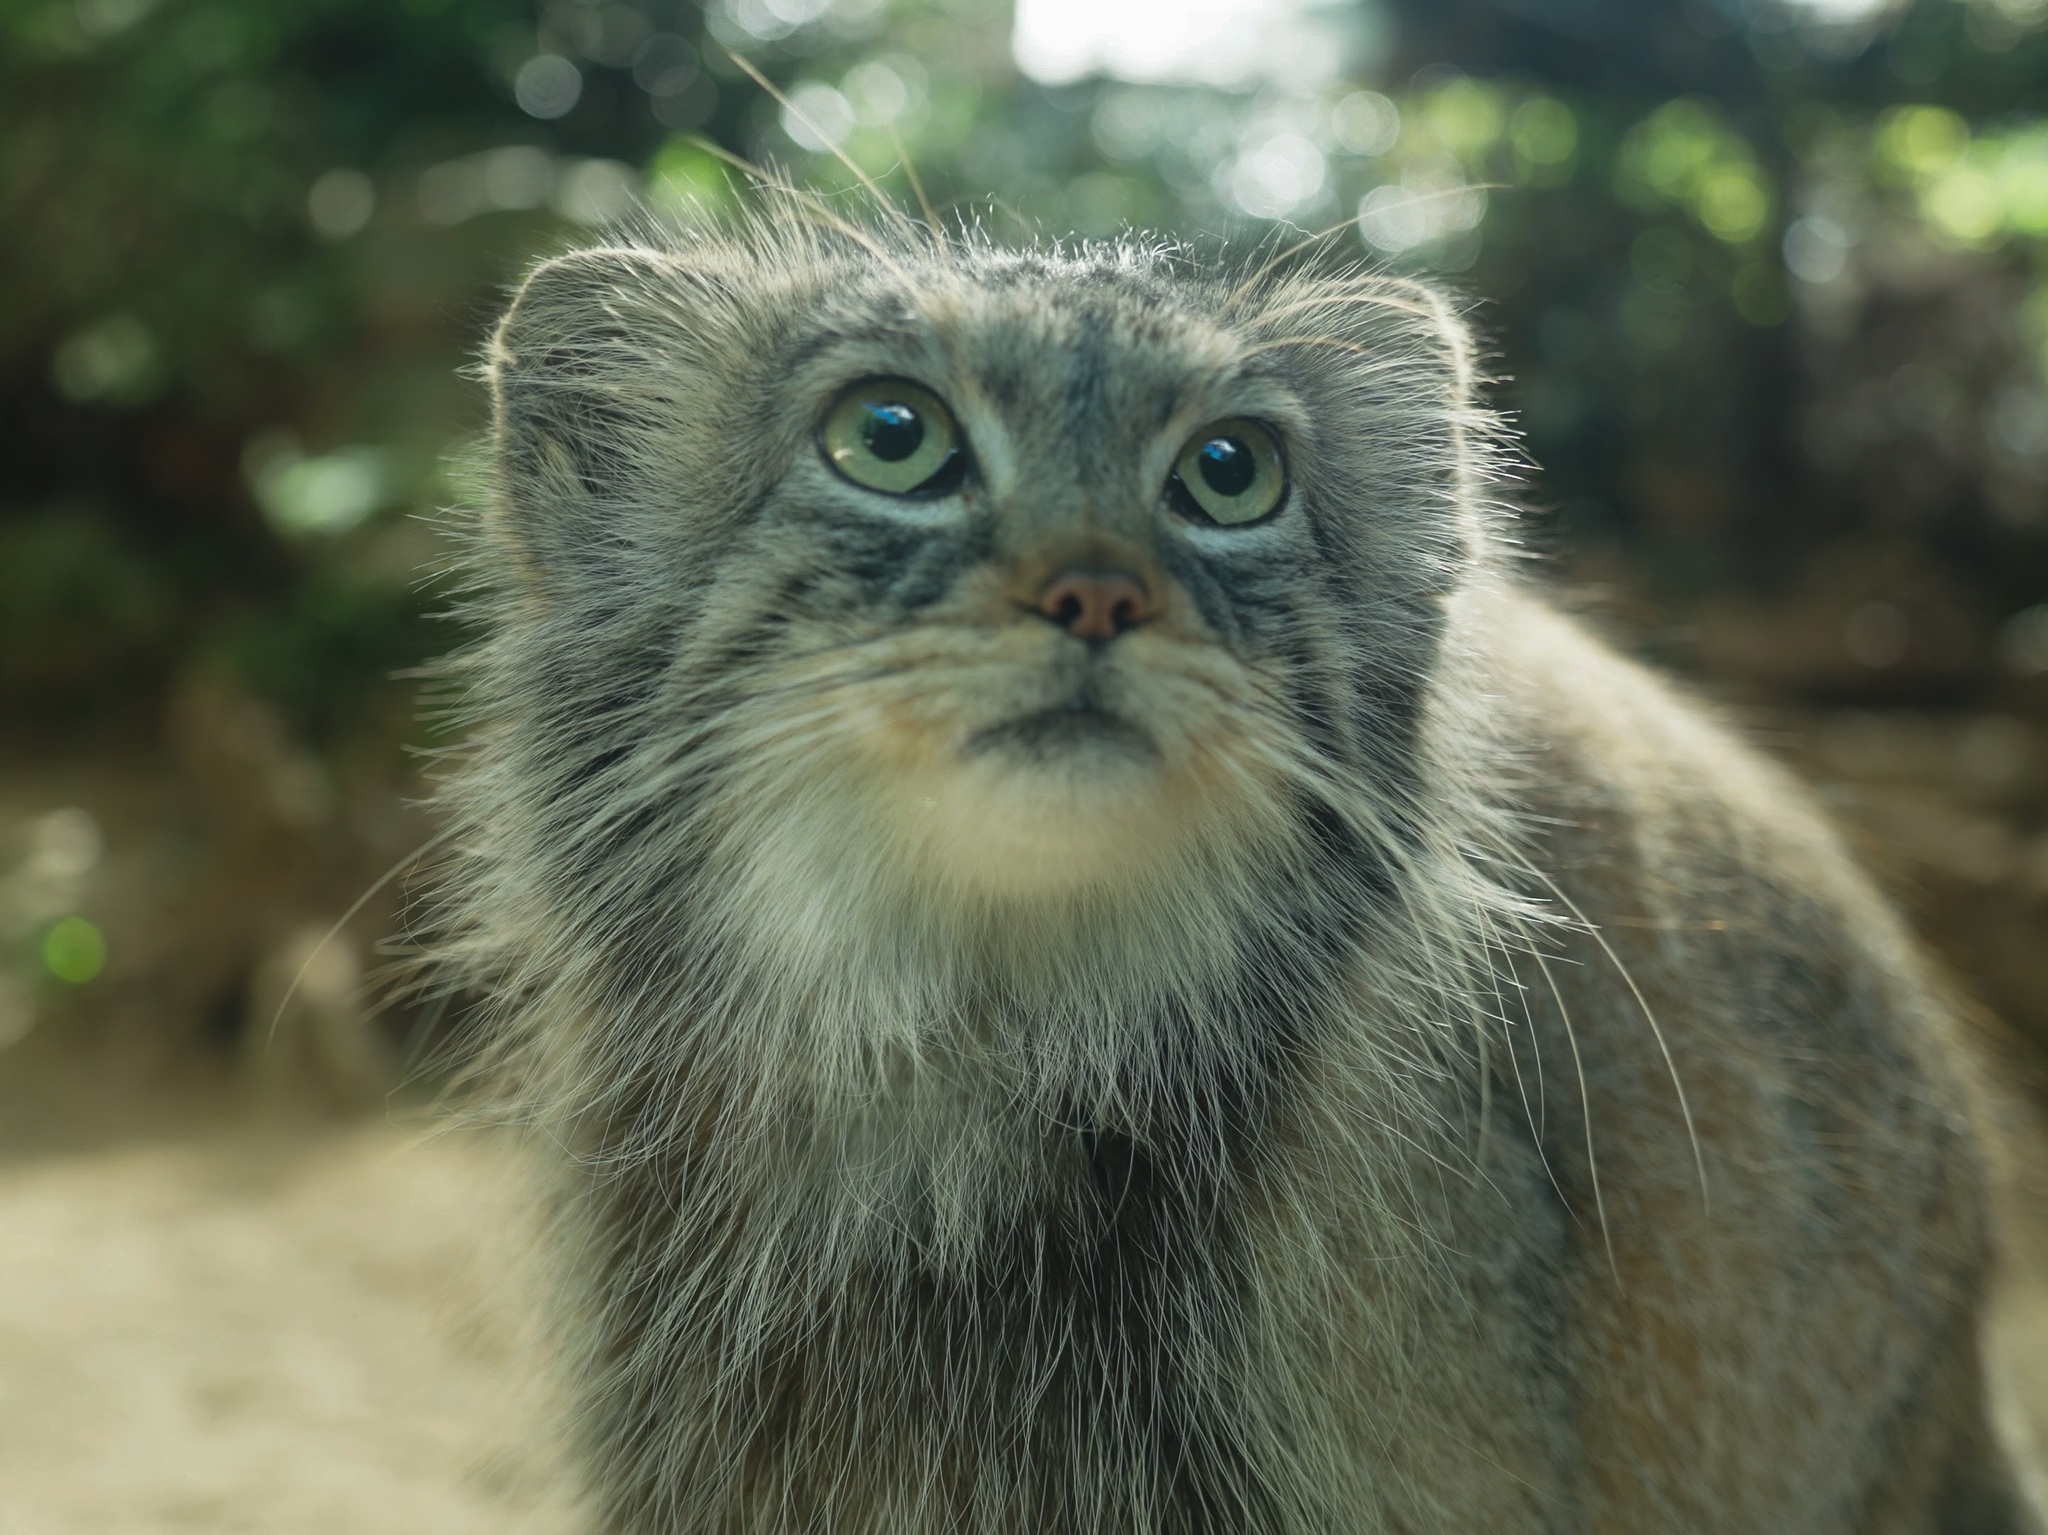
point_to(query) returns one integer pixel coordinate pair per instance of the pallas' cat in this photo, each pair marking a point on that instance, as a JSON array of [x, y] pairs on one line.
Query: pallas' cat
[[1091, 959]]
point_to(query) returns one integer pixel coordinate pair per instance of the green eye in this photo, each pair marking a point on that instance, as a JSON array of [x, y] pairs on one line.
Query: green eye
[[1232, 472], [890, 436]]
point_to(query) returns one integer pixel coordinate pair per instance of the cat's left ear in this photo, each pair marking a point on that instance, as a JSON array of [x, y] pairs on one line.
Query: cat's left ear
[[579, 368], [1391, 367]]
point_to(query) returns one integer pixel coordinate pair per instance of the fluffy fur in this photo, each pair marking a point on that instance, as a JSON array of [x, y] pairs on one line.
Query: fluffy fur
[[1395, 1070]]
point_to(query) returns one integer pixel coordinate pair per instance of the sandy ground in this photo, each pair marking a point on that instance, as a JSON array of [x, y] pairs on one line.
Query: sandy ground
[[220, 1318], [241, 1323]]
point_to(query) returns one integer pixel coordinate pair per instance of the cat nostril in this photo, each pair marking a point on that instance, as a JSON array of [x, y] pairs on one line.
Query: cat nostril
[[1095, 604]]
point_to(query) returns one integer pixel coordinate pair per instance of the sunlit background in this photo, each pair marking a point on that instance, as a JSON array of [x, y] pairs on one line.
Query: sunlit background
[[1764, 286]]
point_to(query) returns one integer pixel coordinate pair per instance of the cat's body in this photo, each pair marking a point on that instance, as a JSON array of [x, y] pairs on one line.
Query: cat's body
[[1295, 1037]]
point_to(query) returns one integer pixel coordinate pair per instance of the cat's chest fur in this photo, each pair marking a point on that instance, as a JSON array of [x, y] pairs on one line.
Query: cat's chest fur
[[945, 1306]]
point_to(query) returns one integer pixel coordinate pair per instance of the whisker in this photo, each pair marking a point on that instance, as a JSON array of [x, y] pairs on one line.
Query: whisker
[[342, 921], [1337, 343], [1250, 283], [1327, 300], [883, 203], [816, 206], [924, 203], [1649, 1016], [1571, 1035], [1536, 1118]]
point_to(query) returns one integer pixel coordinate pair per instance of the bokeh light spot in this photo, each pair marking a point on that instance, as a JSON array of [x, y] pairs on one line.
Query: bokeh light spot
[[595, 192], [340, 203], [1366, 123], [1920, 139], [547, 86], [1227, 43], [74, 950], [1465, 117], [1419, 211], [686, 181], [517, 176], [1840, 12], [1816, 249], [322, 495], [817, 117], [1733, 203], [665, 64], [1963, 204], [882, 90], [1543, 131], [113, 360], [1276, 176]]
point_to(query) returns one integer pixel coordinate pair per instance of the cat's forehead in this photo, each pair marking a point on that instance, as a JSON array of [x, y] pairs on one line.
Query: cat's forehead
[[1094, 336], [1061, 301]]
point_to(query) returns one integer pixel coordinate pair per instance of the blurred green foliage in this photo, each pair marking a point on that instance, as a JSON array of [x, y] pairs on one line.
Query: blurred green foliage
[[248, 249]]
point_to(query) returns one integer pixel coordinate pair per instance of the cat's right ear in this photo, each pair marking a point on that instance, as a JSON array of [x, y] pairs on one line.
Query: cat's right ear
[[568, 369]]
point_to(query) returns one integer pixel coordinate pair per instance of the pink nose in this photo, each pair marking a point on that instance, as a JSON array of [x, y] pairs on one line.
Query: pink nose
[[1095, 604]]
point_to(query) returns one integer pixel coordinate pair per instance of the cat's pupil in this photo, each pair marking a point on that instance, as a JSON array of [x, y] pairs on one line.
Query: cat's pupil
[[1228, 466], [892, 432]]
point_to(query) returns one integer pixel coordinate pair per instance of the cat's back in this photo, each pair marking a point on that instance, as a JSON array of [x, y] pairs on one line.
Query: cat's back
[[1758, 1104]]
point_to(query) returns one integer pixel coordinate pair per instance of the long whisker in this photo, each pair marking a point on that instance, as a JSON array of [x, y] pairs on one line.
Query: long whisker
[[924, 203], [817, 206], [1571, 1035], [1537, 1117], [1245, 288], [1336, 343], [1420, 311], [882, 201], [1649, 1015], [342, 921]]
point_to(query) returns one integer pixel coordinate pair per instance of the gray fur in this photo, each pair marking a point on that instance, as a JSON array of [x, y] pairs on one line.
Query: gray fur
[[1416, 1077]]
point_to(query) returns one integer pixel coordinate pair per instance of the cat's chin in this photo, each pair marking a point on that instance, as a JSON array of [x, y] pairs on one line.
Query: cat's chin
[[1041, 787], [1079, 742], [1039, 815], [1060, 802]]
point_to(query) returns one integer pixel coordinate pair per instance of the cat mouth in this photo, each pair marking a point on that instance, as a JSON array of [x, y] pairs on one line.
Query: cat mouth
[[1081, 724]]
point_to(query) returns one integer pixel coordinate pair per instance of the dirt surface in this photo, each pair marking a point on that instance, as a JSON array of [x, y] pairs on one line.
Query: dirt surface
[[221, 1316], [237, 1320]]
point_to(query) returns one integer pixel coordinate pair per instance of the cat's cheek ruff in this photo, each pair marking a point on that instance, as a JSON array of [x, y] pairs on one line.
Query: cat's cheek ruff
[[928, 771]]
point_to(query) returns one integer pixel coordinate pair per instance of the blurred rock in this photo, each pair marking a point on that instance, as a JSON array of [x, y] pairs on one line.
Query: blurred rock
[[1869, 619], [1951, 810], [308, 1028], [157, 903]]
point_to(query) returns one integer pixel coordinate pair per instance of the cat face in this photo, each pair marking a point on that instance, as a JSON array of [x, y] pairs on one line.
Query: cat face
[[1019, 572]]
